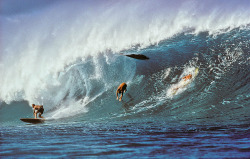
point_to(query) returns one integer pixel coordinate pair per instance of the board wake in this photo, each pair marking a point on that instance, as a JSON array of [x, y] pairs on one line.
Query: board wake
[[182, 84]]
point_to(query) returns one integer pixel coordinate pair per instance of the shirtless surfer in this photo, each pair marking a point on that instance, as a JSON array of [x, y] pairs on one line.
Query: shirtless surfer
[[187, 77], [38, 109], [120, 90]]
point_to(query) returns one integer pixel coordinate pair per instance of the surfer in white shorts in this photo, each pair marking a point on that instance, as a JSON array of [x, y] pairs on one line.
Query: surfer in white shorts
[[38, 109], [120, 90]]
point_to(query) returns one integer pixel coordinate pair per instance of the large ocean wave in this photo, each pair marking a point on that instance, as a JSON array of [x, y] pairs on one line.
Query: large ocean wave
[[67, 56]]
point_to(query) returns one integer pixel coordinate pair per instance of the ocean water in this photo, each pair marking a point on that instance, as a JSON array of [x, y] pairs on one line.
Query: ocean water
[[69, 57]]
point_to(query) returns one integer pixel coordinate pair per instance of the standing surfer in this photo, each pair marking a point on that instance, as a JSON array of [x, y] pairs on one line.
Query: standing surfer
[[120, 90]]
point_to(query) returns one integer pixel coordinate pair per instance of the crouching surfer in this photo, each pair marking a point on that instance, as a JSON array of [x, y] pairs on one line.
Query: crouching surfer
[[38, 109], [120, 90]]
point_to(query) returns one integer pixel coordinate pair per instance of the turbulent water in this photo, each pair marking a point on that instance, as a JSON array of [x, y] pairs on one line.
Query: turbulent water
[[68, 56]]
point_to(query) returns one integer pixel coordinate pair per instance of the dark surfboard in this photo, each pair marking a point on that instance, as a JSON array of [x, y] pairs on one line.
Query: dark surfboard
[[32, 120], [137, 56]]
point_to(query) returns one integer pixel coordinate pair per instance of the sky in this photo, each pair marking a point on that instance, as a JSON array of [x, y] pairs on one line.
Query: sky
[[12, 7]]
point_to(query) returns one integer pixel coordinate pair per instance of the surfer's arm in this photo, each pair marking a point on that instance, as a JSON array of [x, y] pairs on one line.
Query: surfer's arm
[[35, 113], [117, 94]]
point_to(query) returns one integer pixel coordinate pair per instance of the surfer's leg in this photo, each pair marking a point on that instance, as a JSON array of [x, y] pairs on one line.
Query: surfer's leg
[[121, 97], [40, 115]]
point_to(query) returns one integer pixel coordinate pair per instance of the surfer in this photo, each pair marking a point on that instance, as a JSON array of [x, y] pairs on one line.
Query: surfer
[[38, 109], [187, 77], [120, 90]]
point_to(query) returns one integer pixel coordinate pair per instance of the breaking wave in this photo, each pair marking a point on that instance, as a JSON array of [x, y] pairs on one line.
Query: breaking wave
[[67, 56]]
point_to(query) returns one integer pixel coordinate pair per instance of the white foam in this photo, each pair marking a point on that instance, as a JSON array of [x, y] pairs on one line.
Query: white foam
[[181, 85]]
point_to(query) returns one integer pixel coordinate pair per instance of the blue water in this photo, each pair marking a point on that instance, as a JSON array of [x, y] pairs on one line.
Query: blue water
[[123, 139], [67, 56]]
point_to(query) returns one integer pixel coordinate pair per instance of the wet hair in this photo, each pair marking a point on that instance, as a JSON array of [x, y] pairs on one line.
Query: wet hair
[[33, 105]]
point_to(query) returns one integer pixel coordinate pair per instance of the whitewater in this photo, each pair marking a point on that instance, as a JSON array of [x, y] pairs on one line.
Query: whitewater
[[69, 57]]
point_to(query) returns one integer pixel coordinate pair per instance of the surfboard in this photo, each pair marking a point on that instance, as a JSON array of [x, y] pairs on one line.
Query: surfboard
[[32, 120], [136, 56], [183, 83]]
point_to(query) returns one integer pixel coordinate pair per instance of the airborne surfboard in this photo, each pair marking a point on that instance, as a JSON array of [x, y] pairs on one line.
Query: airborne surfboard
[[32, 120], [136, 56]]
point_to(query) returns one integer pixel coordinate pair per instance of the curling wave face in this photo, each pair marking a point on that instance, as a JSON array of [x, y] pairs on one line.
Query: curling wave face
[[70, 61]]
